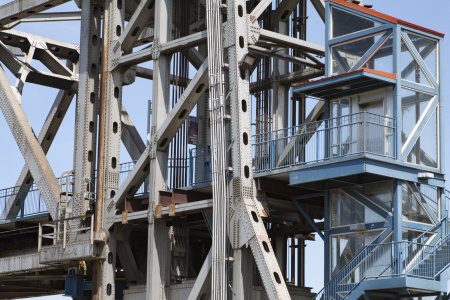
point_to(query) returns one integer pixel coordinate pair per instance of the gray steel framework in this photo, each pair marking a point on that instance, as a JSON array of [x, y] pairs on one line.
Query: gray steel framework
[[227, 66]]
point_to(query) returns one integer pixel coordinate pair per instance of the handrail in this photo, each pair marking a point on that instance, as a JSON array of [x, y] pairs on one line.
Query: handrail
[[433, 228], [362, 253], [322, 140], [409, 252], [33, 193]]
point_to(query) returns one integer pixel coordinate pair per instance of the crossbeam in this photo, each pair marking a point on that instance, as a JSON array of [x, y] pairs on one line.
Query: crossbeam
[[20, 9], [183, 107]]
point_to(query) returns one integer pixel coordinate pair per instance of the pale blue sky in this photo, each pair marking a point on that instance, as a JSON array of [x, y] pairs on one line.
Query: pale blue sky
[[37, 100]]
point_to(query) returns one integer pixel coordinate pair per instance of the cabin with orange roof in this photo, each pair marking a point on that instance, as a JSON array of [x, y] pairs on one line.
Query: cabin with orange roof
[[380, 156]]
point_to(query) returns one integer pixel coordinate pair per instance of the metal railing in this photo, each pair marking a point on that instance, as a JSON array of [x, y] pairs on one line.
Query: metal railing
[[31, 203], [389, 260], [60, 230], [322, 140]]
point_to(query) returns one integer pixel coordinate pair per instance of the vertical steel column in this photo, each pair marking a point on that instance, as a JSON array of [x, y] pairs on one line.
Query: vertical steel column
[[108, 149], [247, 225], [158, 250], [86, 109]]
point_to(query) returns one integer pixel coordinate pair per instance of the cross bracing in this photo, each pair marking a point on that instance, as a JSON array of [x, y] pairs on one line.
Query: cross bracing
[[244, 156]]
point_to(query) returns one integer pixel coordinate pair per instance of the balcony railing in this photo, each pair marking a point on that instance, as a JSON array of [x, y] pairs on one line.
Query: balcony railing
[[31, 203], [322, 140]]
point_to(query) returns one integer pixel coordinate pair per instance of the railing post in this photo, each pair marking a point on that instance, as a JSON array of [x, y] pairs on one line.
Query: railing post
[[22, 204], [365, 131], [434, 261], [272, 152], [64, 233], [92, 229], [40, 237], [191, 168]]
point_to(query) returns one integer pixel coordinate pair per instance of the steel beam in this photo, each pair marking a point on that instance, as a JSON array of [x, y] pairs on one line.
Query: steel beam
[[291, 42], [276, 53], [52, 62], [169, 47], [86, 109], [201, 282], [308, 219], [136, 25], [130, 136], [48, 17], [26, 73], [20, 9], [45, 138], [29, 146], [246, 218], [23, 40], [126, 256], [174, 80], [183, 107], [418, 128], [319, 5], [134, 179], [158, 258], [284, 10], [108, 159], [259, 9], [287, 79]]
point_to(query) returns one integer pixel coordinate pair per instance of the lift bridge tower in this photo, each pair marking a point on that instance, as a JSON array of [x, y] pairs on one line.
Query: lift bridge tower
[[258, 140]]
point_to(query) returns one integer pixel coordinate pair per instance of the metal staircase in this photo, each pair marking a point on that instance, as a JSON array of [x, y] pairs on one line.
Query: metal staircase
[[373, 262]]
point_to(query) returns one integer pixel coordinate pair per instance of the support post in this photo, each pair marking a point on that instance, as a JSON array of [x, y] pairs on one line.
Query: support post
[[103, 285], [247, 225], [158, 250]]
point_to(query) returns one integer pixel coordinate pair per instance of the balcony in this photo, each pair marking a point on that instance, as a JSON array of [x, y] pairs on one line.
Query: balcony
[[325, 140]]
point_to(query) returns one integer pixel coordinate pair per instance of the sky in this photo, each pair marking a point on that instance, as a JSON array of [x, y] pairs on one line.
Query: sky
[[37, 100]]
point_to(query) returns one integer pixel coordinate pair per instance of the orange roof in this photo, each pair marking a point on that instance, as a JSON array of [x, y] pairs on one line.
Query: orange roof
[[382, 16]]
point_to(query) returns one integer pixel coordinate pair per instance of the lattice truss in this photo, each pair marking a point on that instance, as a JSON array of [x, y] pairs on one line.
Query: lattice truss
[[252, 44]]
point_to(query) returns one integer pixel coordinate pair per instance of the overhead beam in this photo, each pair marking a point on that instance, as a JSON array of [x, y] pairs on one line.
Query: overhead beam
[[29, 146], [291, 42], [20, 9], [48, 17], [172, 46], [183, 107], [285, 56], [45, 138], [23, 40]]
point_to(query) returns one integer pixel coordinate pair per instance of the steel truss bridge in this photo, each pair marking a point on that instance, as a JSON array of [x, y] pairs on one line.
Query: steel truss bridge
[[238, 167]]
